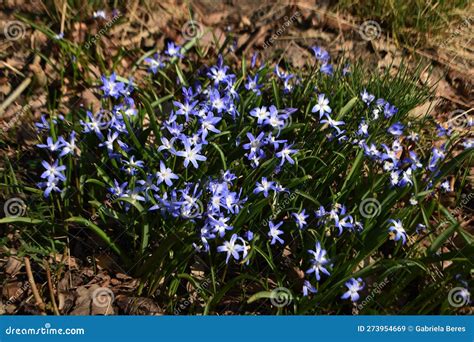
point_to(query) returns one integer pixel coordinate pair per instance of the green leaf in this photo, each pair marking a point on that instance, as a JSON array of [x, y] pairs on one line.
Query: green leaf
[[221, 153], [100, 233], [20, 220], [181, 77], [145, 236], [347, 108], [151, 115], [445, 235], [260, 295], [132, 135]]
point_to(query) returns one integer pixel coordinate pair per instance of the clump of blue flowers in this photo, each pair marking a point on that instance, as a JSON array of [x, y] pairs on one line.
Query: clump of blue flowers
[[201, 156]]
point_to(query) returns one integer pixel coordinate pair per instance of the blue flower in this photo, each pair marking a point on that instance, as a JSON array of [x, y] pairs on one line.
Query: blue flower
[[191, 154], [173, 50], [272, 140], [53, 170], [280, 74], [371, 150], [366, 97], [44, 124], [287, 85], [414, 161], [264, 186], [308, 287], [406, 178], [274, 233], [147, 185], [468, 143], [420, 227], [438, 154], [332, 123], [397, 232], [394, 177], [218, 73], [50, 145], [446, 186], [346, 70], [220, 225], [94, 124], [135, 195], [231, 248], [321, 212], [49, 185], [208, 124], [109, 142], [255, 143], [389, 110], [322, 106], [252, 84], [254, 59], [353, 286], [217, 101], [363, 129], [231, 201], [320, 54], [155, 63], [119, 190], [396, 129], [285, 154], [318, 262], [327, 69], [231, 90], [228, 177], [165, 175], [346, 222], [167, 145], [185, 108], [276, 119], [111, 87], [132, 165], [99, 14], [300, 218], [67, 147], [249, 235], [261, 114]]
